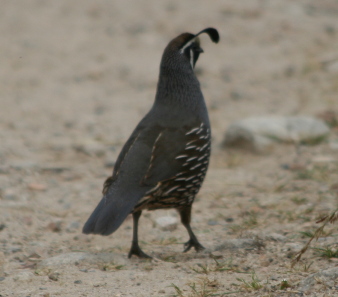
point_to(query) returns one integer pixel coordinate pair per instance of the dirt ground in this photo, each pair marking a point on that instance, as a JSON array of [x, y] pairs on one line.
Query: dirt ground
[[77, 76]]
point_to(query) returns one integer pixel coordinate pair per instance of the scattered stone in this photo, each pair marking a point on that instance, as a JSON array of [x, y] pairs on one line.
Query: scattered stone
[[55, 169], [167, 223], [37, 187], [263, 133], [2, 264], [55, 226], [90, 147], [326, 277], [292, 249], [14, 249], [10, 194], [333, 145], [276, 237], [332, 67], [54, 276], [241, 243], [109, 164], [216, 255], [24, 276], [24, 165], [73, 227], [292, 246], [330, 117], [78, 282], [77, 258], [212, 223]]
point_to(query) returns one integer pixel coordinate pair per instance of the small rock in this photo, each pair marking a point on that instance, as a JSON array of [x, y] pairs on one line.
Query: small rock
[[2, 264], [90, 147], [332, 67], [212, 223], [292, 247], [80, 258], [24, 276], [73, 227], [326, 277], [276, 237], [37, 187], [242, 243], [216, 255], [55, 226], [330, 117], [167, 223], [263, 133], [54, 276], [10, 194], [333, 145], [78, 282], [24, 165]]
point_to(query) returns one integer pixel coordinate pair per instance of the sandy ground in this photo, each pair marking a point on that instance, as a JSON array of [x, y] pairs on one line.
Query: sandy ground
[[76, 77]]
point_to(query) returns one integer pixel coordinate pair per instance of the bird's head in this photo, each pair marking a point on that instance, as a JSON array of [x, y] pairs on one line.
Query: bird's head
[[185, 49]]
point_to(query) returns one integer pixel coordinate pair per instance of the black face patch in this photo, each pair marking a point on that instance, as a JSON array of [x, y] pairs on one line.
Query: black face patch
[[191, 50]]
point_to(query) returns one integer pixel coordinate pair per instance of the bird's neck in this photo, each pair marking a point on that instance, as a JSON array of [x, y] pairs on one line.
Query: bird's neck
[[178, 87]]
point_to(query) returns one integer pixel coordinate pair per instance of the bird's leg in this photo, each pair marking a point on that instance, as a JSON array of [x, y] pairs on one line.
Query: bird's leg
[[135, 248], [185, 214]]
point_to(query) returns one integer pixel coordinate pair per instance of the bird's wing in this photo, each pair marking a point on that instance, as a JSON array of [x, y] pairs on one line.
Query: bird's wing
[[147, 158], [163, 163]]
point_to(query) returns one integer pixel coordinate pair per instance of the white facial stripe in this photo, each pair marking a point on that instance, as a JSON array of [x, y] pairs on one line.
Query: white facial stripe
[[192, 58], [187, 44]]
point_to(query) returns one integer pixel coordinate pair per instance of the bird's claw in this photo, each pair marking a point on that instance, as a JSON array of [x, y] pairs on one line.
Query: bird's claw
[[136, 250], [191, 243]]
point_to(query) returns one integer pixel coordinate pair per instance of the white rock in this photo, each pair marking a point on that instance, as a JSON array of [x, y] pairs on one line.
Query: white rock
[[276, 237], [24, 276], [240, 243], [326, 277], [261, 133], [2, 264], [167, 223], [89, 146], [332, 67], [81, 258]]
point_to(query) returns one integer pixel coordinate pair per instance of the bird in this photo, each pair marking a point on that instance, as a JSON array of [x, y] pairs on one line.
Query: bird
[[164, 162]]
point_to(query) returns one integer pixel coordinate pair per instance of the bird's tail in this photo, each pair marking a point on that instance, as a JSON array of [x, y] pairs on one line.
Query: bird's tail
[[110, 213]]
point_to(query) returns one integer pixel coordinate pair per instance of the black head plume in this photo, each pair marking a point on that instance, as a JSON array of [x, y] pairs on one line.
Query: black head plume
[[213, 34]]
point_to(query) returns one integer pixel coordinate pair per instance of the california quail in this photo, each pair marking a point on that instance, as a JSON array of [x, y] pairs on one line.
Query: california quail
[[164, 162]]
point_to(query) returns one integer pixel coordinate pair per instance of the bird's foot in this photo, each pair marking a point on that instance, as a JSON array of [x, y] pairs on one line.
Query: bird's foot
[[193, 243], [136, 250]]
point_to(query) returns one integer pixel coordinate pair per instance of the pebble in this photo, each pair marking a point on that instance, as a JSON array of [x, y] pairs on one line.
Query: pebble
[[54, 276], [262, 133], [24, 276], [327, 277], [2, 264], [167, 223], [80, 258], [276, 237], [241, 243], [73, 227], [37, 187], [90, 147]]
